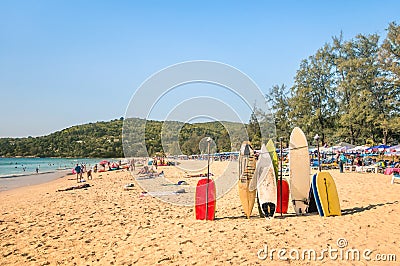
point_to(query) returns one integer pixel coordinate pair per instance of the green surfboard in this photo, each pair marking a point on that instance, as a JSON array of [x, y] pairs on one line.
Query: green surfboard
[[274, 156]]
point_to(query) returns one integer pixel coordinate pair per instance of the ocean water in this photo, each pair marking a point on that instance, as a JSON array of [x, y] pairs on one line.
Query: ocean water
[[10, 167]]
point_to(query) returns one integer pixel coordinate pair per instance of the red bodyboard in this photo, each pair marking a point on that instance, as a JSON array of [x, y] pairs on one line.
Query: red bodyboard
[[203, 206], [285, 196]]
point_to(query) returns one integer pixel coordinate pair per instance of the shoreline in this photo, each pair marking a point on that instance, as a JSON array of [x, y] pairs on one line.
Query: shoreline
[[20, 181], [30, 173]]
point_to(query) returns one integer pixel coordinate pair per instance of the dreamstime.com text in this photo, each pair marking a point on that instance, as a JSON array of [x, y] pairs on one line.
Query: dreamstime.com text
[[340, 252]]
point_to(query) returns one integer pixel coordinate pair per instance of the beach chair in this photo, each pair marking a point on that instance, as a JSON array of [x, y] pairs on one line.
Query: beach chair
[[395, 175]]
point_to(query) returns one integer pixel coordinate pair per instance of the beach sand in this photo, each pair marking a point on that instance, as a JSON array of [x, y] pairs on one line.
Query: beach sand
[[107, 225]]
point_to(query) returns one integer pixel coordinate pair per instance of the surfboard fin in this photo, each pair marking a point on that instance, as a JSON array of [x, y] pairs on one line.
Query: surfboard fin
[[269, 209]]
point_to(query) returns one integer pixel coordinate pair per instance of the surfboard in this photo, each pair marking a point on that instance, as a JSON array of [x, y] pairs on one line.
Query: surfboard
[[299, 170], [315, 195], [262, 162], [274, 156], [285, 187], [267, 192], [285, 196], [247, 166], [327, 194], [312, 202], [205, 200]]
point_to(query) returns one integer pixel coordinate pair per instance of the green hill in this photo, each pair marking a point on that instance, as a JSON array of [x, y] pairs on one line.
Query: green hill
[[104, 139]]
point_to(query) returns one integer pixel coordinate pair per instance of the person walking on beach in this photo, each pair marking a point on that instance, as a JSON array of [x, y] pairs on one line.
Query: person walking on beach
[[89, 174], [37, 170], [133, 164], [78, 172], [342, 160]]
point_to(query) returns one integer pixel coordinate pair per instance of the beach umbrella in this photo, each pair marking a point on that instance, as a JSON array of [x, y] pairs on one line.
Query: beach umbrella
[[345, 144], [395, 148], [327, 149], [312, 150], [361, 148], [378, 148], [383, 147], [104, 162], [343, 148]]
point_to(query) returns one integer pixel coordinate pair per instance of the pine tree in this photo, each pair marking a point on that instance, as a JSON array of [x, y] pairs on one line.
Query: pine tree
[[313, 106]]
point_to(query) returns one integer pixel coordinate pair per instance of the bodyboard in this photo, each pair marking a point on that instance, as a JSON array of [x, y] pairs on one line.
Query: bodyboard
[[327, 194], [205, 201], [285, 196], [316, 196]]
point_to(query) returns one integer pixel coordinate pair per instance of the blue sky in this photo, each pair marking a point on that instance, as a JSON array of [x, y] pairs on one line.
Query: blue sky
[[64, 63]]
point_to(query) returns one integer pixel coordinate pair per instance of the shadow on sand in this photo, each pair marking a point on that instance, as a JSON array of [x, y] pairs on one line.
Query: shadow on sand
[[369, 207], [291, 215], [277, 216]]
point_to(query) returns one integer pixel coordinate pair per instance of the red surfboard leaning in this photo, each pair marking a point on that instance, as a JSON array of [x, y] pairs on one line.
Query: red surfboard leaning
[[285, 196], [205, 200]]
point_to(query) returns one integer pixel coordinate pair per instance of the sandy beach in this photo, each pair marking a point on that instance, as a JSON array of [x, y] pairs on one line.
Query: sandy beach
[[107, 225]]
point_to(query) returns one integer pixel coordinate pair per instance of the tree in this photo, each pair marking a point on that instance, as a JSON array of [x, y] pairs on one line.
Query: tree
[[253, 129], [356, 74], [388, 106], [279, 100], [313, 105]]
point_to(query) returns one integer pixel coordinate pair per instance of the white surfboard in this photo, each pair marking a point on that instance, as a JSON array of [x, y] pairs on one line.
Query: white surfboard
[[299, 167], [267, 191], [262, 162], [266, 183]]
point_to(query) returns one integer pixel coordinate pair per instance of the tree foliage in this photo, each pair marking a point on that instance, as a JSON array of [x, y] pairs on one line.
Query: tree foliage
[[347, 91]]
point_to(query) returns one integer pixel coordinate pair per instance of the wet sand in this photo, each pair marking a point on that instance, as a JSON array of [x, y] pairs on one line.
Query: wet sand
[[107, 225], [12, 182]]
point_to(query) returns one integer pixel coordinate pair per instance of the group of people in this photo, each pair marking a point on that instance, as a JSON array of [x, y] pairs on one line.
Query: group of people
[[81, 169], [151, 172], [359, 162]]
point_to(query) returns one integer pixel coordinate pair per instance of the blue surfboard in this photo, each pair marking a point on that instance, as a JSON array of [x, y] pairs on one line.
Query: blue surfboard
[[316, 195]]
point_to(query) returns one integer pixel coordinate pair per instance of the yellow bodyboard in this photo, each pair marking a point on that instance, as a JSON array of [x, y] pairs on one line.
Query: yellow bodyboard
[[328, 195]]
